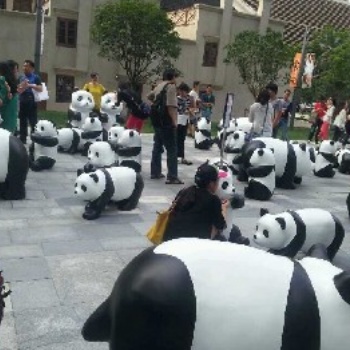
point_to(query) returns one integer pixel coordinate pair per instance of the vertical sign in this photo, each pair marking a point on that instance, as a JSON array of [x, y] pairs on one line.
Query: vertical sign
[[226, 122], [295, 71]]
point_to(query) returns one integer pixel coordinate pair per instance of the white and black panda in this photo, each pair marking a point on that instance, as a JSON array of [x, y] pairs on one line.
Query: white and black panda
[[289, 232], [233, 150], [110, 111], [120, 185], [14, 166], [325, 159], [202, 135], [80, 108], [239, 124], [129, 150], [92, 132], [286, 162], [43, 150], [304, 165], [261, 173], [343, 161], [114, 135], [256, 300], [70, 140]]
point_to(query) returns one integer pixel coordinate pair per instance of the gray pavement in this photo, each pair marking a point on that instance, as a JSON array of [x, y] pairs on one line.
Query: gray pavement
[[60, 267]]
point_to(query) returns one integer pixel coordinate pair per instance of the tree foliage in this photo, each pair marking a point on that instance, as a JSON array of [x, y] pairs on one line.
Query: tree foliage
[[136, 34], [259, 58]]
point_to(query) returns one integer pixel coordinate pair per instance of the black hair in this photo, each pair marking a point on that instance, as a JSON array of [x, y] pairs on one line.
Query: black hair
[[288, 90], [169, 74], [93, 75], [12, 64], [209, 86], [273, 87], [7, 73], [184, 87], [30, 62], [124, 86], [196, 83], [263, 97], [205, 175]]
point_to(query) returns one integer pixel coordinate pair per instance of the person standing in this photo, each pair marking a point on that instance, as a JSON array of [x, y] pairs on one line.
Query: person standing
[[96, 89], [276, 103], [194, 94], [208, 103], [319, 111], [340, 120], [184, 103], [284, 119], [164, 121], [28, 110], [327, 119]]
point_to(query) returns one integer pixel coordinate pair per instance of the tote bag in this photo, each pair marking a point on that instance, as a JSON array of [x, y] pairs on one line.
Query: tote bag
[[41, 96]]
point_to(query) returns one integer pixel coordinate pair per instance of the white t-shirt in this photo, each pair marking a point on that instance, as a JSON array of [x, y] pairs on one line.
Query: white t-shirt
[[340, 119], [257, 115], [327, 118], [194, 95]]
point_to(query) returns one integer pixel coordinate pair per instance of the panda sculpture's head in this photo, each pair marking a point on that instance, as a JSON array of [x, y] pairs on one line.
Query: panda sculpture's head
[[204, 124], [109, 104], [90, 187], [226, 189], [115, 133], [262, 157], [328, 147], [236, 141], [45, 128], [92, 124], [271, 231], [101, 154], [82, 101], [130, 139]]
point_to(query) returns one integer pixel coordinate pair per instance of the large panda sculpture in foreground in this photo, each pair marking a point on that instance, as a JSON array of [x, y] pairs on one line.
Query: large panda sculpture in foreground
[[289, 232], [14, 166], [192, 294]]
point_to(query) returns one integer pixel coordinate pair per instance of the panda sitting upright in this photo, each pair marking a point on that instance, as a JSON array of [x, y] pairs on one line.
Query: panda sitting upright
[[43, 150], [120, 185], [129, 149], [261, 173], [92, 132], [325, 159], [233, 150], [202, 136], [80, 108], [110, 111]]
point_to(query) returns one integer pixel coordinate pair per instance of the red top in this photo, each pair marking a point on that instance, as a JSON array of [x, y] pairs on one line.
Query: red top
[[321, 109]]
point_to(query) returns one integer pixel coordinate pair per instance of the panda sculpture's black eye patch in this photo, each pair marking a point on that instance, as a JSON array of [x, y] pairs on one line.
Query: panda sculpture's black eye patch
[[42, 128], [89, 99], [257, 227], [97, 154], [80, 98], [224, 185], [266, 233], [83, 187]]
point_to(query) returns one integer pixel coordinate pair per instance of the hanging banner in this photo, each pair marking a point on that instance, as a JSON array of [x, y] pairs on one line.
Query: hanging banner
[[309, 67], [228, 110], [42, 32], [295, 71]]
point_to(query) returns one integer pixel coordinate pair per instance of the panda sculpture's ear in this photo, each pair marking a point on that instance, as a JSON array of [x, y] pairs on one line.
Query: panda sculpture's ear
[[303, 147], [80, 171], [94, 177], [263, 211], [282, 223], [342, 283], [272, 150]]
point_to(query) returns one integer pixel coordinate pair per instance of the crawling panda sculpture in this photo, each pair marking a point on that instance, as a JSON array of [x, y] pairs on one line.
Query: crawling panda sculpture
[[239, 124], [43, 150], [325, 159], [289, 232], [80, 108], [70, 140], [343, 161], [121, 186], [129, 148], [202, 135], [261, 173], [14, 166], [196, 294], [110, 111]]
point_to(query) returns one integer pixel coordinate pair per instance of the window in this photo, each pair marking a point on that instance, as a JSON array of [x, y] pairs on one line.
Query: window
[[23, 5], [2, 4], [210, 54], [64, 88], [66, 34]]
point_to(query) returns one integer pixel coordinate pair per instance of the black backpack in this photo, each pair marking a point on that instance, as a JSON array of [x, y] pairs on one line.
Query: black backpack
[[159, 111]]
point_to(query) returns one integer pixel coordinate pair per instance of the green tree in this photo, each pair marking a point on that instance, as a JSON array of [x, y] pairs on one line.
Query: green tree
[[259, 58], [136, 34]]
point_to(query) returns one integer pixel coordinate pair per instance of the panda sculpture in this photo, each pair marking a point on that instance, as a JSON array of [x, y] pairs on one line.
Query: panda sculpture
[[197, 294], [261, 173], [92, 132], [325, 159], [121, 186], [129, 148], [80, 108], [343, 161], [239, 124], [114, 135], [43, 150], [233, 150], [286, 162], [202, 135], [14, 166], [348, 204], [304, 165], [70, 140], [289, 232], [110, 111]]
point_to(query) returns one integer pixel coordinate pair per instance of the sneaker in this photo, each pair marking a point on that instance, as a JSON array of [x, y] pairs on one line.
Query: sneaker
[[174, 181], [157, 177]]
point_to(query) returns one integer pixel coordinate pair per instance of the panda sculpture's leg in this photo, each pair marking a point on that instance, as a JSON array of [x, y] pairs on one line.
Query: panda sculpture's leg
[[133, 201], [326, 172], [237, 237], [18, 166], [318, 251], [286, 181], [348, 203], [131, 164], [42, 163], [339, 235], [258, 191]]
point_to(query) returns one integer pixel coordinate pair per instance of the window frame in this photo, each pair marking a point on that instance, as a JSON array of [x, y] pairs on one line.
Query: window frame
[[3, 4], [66, 22], [205, 62], [67, 96]]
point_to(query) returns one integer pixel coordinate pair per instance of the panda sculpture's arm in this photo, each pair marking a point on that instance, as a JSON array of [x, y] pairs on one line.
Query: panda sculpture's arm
[[261, 171], [46, 141], [329, 157], [72, 115], [206, 133], [88, 135], [103, 118], [128, 151]]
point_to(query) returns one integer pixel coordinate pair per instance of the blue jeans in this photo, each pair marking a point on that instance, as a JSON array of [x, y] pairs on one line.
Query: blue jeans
[[164, 138], [206, 113], [283, 125]]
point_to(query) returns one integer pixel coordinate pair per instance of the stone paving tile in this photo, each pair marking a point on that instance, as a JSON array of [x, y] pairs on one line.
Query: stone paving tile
[[21, 251], [8, 337], [125, 242], [71, 247], [5, 238]]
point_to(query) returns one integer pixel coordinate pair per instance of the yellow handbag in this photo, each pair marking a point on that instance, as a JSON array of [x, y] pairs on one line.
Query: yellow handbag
[[156, 233]]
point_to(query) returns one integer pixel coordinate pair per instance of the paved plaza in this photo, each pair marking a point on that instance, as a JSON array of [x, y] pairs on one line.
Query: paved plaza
[[60, 267]]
